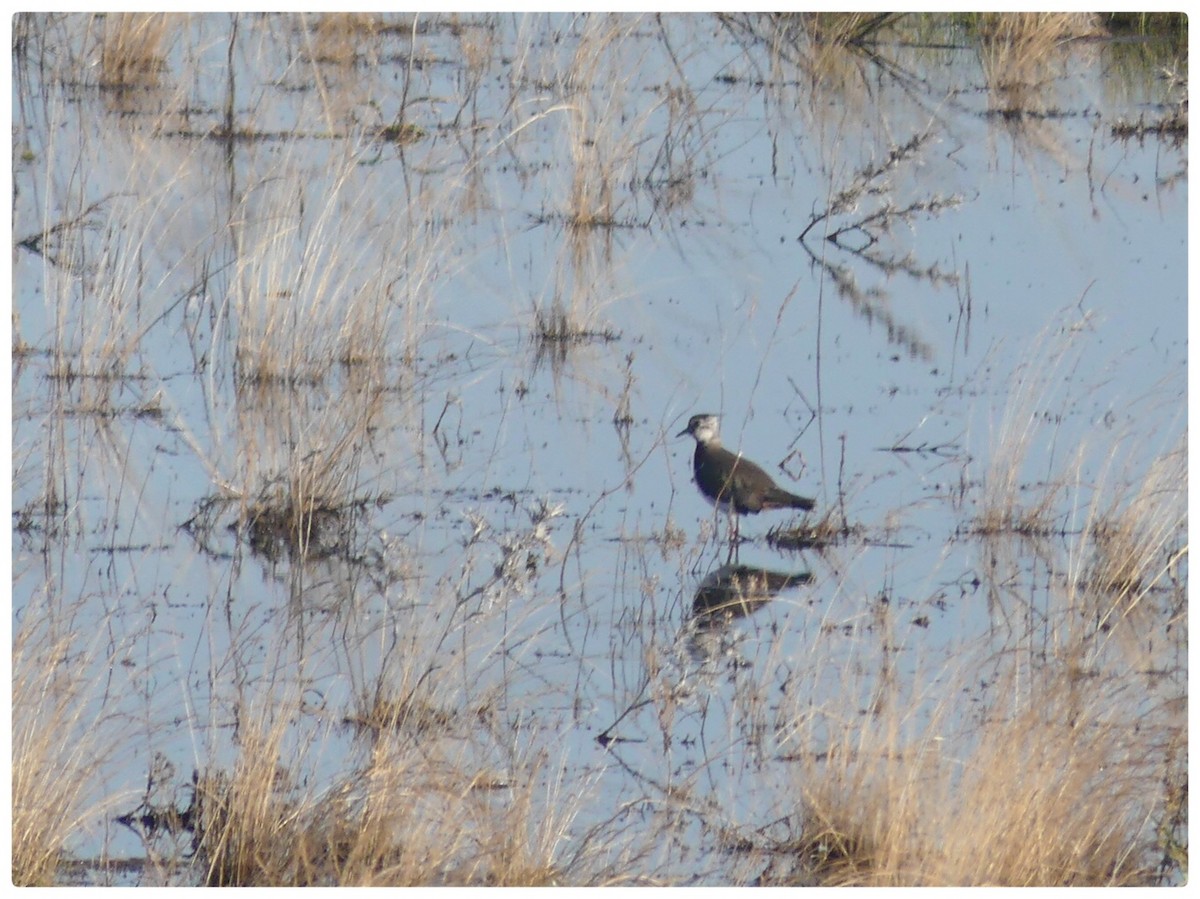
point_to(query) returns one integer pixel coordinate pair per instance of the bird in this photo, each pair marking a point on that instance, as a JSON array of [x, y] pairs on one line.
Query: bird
[[731, 482]]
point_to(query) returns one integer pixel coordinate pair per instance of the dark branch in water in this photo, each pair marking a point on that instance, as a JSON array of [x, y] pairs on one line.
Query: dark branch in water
[[34, 242], [869, 228]]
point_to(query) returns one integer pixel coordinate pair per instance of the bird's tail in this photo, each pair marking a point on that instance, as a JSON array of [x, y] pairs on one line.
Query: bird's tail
[[780, 498]]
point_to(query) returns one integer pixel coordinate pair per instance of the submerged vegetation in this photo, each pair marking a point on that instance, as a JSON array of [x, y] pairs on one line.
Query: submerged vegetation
[[320, 577]]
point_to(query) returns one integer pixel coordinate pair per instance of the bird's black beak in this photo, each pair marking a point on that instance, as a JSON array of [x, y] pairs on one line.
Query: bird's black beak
[[684, 431]]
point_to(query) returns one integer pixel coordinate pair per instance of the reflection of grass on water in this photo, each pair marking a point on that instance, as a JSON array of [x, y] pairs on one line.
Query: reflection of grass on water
[[556, 332]]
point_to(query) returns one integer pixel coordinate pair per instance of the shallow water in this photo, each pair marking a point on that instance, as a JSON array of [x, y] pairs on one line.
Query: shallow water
[[221, 321]]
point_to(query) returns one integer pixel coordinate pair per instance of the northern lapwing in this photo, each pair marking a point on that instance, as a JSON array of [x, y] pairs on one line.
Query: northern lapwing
[[731, 482]]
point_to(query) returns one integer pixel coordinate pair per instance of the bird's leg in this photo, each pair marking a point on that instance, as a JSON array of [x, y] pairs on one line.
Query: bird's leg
[[734, 537]]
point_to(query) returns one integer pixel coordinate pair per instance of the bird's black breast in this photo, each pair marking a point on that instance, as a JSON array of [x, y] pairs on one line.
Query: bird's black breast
[[728, 479]]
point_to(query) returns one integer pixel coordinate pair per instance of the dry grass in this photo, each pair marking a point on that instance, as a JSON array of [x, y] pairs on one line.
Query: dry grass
[[1060, 766], [341, 38], [602, 141], [845, 28], [604, 132], [103, 345], [300, 474], [1021, 52], [132, 51], [1059, 790], [1170, 24], [1140, 543], [1011, 503], [556, 330], [437, 790], [294, 278], [59, 744], [1051, 753], [830, 529], [828, 50], [1065, 776], [305, 298], [1133, 539], [417, 812], [818, 40]]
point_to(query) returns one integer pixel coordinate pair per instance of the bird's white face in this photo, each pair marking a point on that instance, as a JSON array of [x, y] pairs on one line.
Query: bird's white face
[[705, 427]]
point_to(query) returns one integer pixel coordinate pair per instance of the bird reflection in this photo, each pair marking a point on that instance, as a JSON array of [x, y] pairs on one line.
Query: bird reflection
[[734, 591]]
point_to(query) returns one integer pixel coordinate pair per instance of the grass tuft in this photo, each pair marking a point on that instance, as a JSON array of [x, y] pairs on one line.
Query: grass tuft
[[1139, 543], [59, 744], [1055, 791], [1021, 52], [132, 51], [411, 815]]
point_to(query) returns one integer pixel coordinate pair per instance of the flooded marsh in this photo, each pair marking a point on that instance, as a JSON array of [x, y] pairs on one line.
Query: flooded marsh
[[353, 540]]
